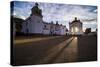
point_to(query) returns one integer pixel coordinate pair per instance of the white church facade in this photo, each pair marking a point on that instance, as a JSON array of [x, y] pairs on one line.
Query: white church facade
[[34, 24], [75, 27]]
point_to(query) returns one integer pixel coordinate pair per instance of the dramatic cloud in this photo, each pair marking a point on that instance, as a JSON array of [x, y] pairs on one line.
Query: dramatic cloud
[[63, 13], [90, 20]]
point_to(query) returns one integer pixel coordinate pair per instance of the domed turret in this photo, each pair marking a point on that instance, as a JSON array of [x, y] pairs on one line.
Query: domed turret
[[75, 27], [36, 11]]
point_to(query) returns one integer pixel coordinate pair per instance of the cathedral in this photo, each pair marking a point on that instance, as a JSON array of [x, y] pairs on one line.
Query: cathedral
[[75, 27], [34, 24]]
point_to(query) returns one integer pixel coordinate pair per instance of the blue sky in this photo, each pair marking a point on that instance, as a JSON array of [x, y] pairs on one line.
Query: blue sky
[[63, 13]]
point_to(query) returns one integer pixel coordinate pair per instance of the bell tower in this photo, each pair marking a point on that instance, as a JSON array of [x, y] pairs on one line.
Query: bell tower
[[36, 10]]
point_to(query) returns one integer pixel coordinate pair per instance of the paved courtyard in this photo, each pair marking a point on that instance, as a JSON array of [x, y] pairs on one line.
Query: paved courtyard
[[55, 49]]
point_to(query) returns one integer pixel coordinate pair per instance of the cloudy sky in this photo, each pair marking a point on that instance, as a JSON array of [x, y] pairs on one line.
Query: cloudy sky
[[63, 13]]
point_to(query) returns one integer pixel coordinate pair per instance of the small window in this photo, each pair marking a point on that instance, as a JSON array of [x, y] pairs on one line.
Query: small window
[[44, 26], [27, 30]]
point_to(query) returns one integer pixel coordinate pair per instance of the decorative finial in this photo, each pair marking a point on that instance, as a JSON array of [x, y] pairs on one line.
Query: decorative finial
[[75, 18], [36, 4]]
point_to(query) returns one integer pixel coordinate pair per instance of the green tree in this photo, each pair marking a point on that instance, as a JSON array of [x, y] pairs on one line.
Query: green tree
[[88, 30], [18, 23]]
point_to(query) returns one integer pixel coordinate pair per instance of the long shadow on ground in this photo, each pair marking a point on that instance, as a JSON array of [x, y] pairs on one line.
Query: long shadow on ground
[[28, 54]]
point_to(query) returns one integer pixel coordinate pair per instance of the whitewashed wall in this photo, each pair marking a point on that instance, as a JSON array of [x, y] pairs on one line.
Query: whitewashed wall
[[33, 24], [36, 24], [63, 30], [46, 30]]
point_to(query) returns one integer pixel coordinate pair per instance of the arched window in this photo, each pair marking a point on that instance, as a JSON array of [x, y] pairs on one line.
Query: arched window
[[72, 30], [76, 29]]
